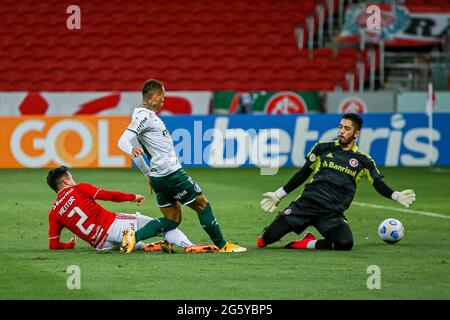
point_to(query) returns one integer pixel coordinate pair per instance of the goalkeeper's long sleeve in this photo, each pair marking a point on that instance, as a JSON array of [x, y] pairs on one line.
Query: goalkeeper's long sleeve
[[300, 177], [382, 188]]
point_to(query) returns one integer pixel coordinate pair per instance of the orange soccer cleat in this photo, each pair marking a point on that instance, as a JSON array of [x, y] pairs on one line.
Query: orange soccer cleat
[[162, 245], [128, 241], [202, 248]]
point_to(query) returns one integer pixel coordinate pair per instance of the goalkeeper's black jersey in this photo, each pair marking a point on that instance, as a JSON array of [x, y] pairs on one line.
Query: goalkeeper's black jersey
[[336, 172]]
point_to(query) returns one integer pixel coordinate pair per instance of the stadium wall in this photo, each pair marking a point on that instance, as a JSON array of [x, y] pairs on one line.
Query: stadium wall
[[220, 141], [218, 102]]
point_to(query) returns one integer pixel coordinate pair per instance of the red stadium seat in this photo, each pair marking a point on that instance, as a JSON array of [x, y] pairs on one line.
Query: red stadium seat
[[218, 45]]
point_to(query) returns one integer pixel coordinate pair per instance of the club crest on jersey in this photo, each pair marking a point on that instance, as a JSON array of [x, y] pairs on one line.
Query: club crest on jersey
[[312, 157], [353, 162], [287, 211]]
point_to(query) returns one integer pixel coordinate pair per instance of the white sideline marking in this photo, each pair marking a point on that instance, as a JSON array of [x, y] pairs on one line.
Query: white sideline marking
[[440, 170], [424, 213]]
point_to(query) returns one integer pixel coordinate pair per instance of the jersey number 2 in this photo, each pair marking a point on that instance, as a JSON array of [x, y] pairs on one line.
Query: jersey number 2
[[83, 218]]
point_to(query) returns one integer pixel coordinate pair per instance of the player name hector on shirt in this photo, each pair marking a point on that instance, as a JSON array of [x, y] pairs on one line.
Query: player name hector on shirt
[[61, 200]]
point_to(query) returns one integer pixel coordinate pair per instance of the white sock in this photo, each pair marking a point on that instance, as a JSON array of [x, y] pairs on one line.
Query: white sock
[[139, 245], [177, 237], [311, 245]]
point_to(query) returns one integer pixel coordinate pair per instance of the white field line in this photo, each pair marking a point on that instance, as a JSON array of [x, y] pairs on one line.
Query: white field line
[[440, 170], [423, 213]]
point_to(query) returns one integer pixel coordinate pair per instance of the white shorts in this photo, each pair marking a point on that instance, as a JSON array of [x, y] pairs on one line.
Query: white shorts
[[115, 232]]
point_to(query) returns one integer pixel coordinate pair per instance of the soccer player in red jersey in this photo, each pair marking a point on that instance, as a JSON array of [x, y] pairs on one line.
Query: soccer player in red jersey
[[76, 209]]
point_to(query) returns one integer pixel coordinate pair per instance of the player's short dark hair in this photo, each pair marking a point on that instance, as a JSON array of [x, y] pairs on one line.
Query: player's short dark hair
[[54, 177], [151, 87], [355, 119]]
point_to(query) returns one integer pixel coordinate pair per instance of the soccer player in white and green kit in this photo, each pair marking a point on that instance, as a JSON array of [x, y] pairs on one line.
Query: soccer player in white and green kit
[[172, 185]]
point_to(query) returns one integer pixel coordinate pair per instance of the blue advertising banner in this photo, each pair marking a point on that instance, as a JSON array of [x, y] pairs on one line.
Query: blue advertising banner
[[284, 140]]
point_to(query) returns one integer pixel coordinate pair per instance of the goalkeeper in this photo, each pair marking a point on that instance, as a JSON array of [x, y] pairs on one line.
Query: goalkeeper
[[336, 167]]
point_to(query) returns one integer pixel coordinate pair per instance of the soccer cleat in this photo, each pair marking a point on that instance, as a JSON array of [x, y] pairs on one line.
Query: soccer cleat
[[260, 243], [202, 248], [301, 244], [162, 245], [230, 247], [128, 241]]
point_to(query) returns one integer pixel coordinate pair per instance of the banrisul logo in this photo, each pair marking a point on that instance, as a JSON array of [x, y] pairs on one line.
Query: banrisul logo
[[285, 103], [393, 21]]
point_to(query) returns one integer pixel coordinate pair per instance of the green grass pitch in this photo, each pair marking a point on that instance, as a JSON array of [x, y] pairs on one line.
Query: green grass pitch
[[415, 268]]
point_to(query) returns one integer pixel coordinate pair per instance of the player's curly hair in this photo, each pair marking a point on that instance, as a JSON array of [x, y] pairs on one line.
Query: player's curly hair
[[151, 87], [355, 119], [54, 177]]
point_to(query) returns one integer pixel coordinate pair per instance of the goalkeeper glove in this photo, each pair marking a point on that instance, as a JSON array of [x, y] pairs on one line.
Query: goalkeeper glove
[[405, 197], [271, 199]]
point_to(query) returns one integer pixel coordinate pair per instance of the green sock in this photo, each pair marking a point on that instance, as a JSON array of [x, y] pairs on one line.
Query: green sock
[[154, 227], [211, 226]]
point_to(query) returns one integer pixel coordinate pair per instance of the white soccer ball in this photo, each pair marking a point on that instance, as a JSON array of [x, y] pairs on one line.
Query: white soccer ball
[[391, 231]]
